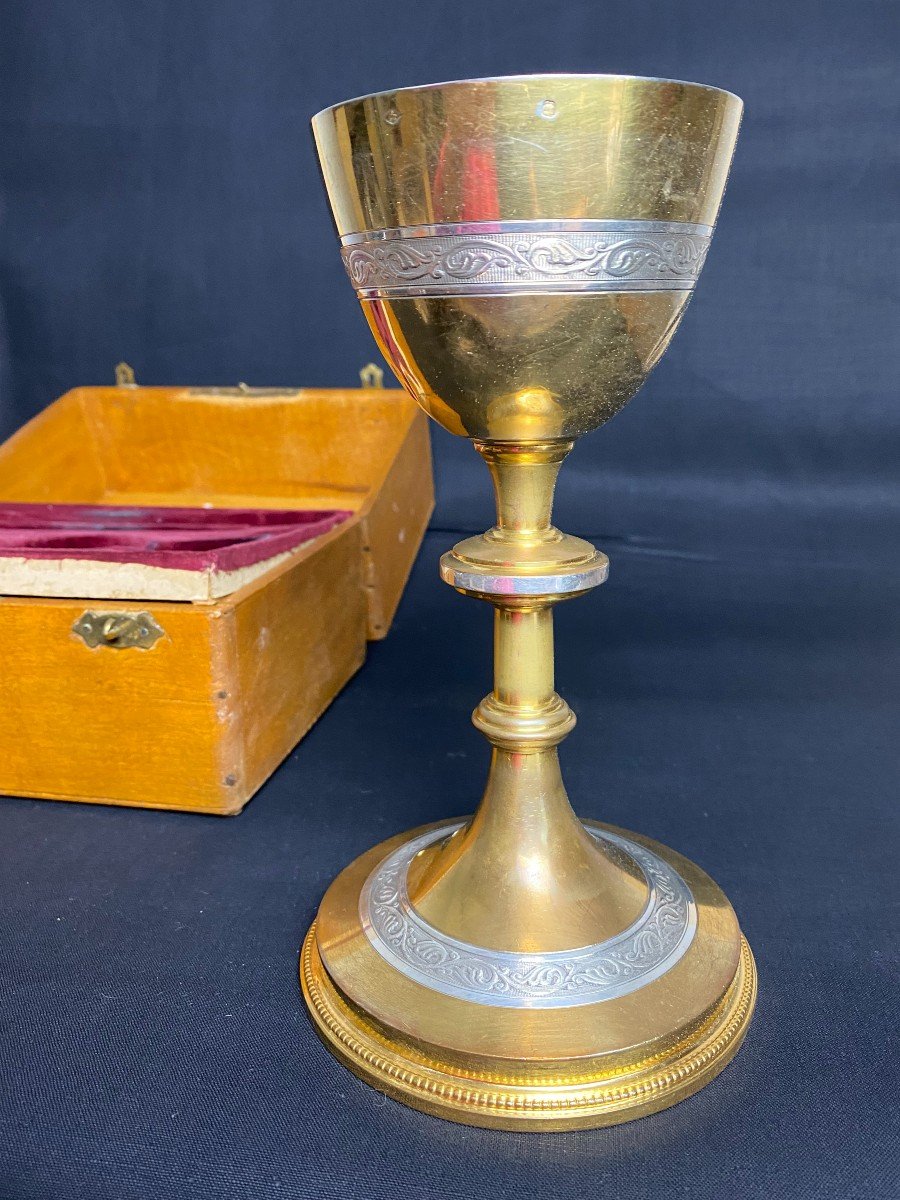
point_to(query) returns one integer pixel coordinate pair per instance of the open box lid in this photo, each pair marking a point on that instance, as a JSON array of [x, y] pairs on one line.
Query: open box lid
[[314, 460]]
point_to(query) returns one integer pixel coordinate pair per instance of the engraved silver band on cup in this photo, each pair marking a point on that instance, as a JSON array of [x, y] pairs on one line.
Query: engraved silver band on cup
[[506, 257], [634, 958]]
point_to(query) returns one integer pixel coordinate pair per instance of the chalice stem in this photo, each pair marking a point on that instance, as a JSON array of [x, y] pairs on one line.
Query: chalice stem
[[524, 874], [523, 713], [523, 717]]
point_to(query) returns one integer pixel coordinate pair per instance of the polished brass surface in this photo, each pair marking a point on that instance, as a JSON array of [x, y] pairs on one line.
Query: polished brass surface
[[539, 365], [523, 250], [523, 555], [611, 1029], [613, 147], [517, 368], [520, 1067], [514, 1094]]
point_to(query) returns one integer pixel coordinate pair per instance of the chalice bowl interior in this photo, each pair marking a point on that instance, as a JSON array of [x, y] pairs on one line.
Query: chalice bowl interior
[[523, 250]]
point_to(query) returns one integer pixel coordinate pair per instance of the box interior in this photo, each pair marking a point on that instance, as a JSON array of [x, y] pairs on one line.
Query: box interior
[[191, 539]]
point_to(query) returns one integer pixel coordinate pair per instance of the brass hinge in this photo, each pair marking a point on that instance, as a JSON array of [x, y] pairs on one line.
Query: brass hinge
[[125, 375], [372, 376]]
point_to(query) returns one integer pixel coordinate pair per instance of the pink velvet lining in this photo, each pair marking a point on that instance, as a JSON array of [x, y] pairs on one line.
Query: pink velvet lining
[[188, 539]]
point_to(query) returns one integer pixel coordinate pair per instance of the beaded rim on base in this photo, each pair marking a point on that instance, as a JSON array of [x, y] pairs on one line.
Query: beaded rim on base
[[510, 1103]]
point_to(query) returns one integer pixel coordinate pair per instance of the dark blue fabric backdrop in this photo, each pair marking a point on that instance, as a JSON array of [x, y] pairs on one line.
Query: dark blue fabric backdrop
[[736, 680]]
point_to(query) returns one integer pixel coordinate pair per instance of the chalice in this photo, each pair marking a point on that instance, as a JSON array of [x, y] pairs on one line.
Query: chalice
[[523, 249]]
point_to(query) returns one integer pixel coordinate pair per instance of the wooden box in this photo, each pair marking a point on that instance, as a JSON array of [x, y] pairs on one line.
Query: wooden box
[[200, 718]]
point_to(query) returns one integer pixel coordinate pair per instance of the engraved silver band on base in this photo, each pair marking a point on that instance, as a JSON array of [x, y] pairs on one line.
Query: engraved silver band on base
[[634, 958], [506, 257]]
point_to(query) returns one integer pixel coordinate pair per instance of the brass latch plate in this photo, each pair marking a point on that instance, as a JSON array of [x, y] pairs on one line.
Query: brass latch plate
[[118, 630]]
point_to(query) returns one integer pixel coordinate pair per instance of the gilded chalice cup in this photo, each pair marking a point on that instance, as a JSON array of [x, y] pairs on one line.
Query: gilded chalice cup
[[524, 249]]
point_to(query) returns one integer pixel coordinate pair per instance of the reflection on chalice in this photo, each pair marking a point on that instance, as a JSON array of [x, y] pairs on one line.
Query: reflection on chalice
[[523, 250]]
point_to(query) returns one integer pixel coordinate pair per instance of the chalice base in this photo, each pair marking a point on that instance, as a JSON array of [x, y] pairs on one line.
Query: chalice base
[[444, 1037]]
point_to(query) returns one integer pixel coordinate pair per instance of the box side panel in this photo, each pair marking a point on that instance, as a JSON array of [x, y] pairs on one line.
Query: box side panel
[[298, 639], [324, 448], [394, 525], [131, 726], [52, 459]]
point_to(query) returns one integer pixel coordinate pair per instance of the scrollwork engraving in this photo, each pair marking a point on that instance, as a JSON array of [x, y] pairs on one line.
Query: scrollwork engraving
[[609, 260], [656, 941]]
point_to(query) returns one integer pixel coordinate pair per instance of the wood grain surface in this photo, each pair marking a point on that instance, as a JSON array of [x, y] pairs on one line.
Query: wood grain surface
[[200, 720]]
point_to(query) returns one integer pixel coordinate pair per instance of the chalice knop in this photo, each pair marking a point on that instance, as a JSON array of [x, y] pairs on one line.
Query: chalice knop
[[523, 250]]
